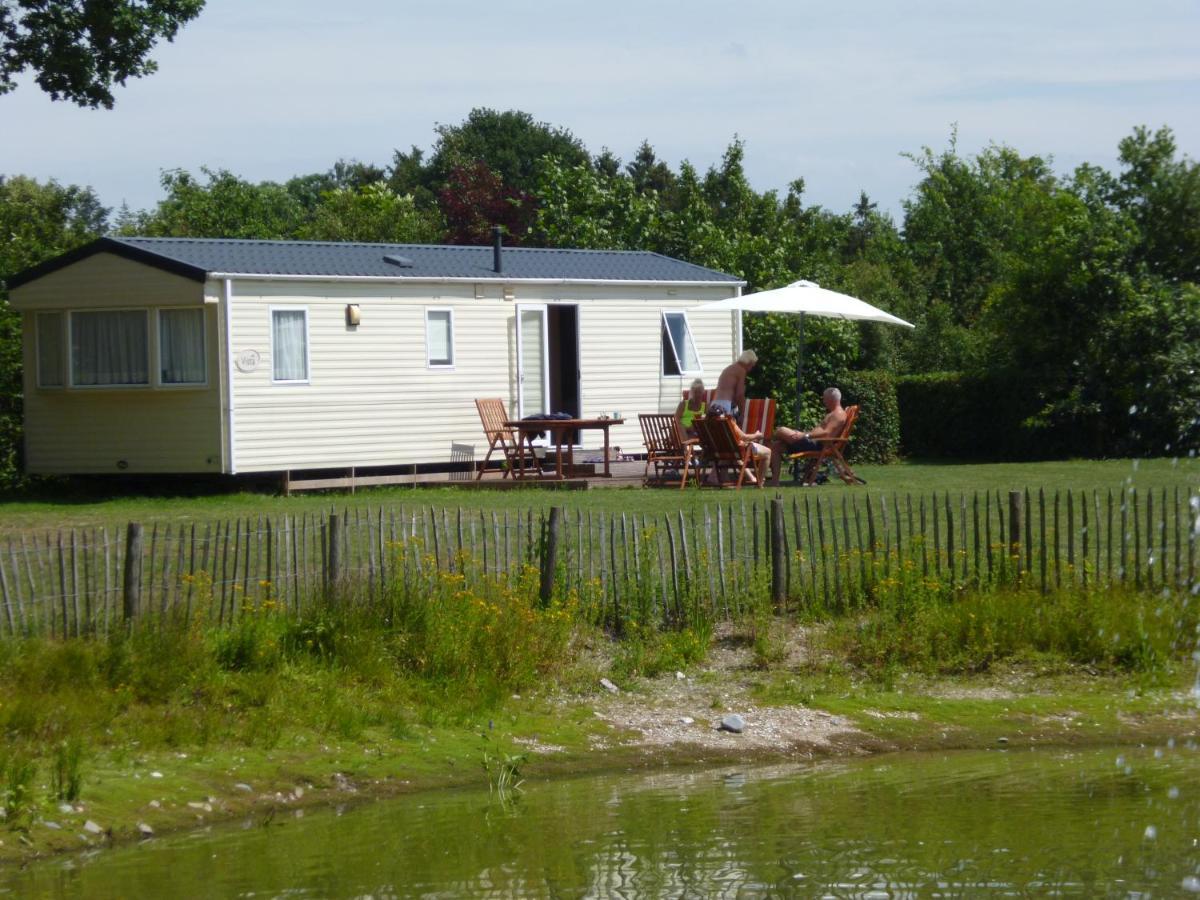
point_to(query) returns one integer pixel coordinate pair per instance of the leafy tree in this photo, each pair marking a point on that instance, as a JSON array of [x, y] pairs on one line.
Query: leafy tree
[[649, 173], [592, 208], [475, 199], [80, 48], [1161, 196], [509, 143], [1112, 349], [223, 207], [410, 173], [607, 164], [372, 213], [37, 223], [865, 222], [350, 174], [968, 217]]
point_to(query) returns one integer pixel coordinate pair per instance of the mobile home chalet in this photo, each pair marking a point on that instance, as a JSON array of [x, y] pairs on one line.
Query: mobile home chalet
[[165, 355]]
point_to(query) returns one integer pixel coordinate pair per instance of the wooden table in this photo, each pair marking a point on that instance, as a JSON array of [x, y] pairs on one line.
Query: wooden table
[[528, 429]]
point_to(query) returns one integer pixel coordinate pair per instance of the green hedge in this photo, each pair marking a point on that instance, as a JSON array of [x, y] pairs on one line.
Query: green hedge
[[877, 430], [950, 414]]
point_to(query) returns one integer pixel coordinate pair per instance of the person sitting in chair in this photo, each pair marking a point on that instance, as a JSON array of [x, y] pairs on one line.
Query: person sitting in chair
[[689, 408], [788, 440], [761, 453]]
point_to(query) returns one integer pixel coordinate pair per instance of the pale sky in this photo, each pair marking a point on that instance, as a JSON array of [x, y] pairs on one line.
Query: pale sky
[[833, 93]]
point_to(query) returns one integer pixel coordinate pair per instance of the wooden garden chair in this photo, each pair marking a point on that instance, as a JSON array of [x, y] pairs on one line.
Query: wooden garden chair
[[831, 451], [666, 449], [493, 415], [722, 451], [759, 414]]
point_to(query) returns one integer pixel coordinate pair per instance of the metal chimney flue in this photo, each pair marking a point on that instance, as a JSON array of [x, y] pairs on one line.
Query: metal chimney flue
[[497, 262]]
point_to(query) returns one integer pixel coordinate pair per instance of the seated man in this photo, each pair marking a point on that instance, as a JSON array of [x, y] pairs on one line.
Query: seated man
[[760, 452], [789, 440], [689, 409]]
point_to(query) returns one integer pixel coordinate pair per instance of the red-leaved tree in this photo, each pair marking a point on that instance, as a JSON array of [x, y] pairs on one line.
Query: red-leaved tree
[[475, 198]]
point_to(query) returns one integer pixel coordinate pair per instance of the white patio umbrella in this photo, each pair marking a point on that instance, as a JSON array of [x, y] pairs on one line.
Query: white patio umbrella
[[805, 298]]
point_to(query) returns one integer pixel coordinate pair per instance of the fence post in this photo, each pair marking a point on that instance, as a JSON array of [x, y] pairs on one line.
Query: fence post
[[1014, 528], [333, 535], [778, 556], [550, 555], [132, 597]]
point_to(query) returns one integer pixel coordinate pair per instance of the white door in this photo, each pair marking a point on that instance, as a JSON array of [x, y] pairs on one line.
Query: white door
[[533, 352]]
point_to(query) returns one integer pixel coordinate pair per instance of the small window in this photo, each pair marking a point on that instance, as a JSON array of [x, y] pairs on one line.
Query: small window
[[181, 346], [109, 348], [439, 337], [50, 350], [678, 349], [289, 344]]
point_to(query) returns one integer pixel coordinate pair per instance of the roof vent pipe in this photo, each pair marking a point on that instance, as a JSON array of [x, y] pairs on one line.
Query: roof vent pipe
[[497, 264]]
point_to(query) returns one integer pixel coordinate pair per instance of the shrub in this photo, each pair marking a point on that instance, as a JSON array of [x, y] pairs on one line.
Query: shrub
[[647, 651], [18, 769], [951, 414], [1013, 417], [877, 430], [486, 636], [920, 624]]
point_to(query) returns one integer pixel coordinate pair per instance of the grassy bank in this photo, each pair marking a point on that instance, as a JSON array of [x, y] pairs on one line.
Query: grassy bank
[[181, 721], [100, 503]]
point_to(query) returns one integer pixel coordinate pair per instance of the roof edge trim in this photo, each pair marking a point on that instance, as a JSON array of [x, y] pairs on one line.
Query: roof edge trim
[[445, 279]]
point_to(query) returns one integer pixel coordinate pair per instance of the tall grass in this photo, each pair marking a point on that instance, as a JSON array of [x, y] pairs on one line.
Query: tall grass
[[915, 620]]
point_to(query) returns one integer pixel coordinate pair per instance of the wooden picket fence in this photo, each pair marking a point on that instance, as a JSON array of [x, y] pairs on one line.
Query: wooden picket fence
[[814, 547]]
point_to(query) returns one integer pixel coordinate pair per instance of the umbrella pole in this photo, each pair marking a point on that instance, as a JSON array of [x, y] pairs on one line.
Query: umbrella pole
[[799, 370]]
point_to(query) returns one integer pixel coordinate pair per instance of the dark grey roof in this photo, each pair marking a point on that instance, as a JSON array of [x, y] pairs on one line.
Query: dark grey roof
[[198, 257]]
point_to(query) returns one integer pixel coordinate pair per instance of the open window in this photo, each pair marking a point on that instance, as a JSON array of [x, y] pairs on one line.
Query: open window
[[439, 338], [679, 356]]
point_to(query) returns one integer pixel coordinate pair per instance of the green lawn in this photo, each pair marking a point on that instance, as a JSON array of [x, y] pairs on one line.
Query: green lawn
[[87, 506]]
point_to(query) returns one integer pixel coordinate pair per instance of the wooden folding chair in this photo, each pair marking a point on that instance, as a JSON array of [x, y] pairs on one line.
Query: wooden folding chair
[[666, 448], [831, 452], [493, 415], [722, 451], [759, 414]]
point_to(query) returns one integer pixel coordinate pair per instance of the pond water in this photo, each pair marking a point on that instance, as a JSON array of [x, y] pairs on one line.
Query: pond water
[[1118, 822]]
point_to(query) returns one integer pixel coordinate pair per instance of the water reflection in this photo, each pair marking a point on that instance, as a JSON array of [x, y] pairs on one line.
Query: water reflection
[[1101, 823]]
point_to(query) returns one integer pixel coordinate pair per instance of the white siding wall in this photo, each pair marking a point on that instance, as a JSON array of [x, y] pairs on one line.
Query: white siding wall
[[69, 431], [372, 400], [621, 355]]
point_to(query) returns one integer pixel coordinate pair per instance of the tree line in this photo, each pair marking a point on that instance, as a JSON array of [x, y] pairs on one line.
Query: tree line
[[1068, 300]]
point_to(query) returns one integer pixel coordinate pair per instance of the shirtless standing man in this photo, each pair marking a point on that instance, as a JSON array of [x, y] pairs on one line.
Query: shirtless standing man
[[731, 385], [789, 440]]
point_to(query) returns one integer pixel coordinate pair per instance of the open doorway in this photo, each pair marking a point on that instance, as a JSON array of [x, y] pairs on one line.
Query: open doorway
[[548, 360], [563, 327]]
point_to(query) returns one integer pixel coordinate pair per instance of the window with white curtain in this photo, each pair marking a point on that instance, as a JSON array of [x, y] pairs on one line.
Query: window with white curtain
[[289, 344], [110, 347], [181, 346], [678, 349], [439, 337], [50, 349]]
